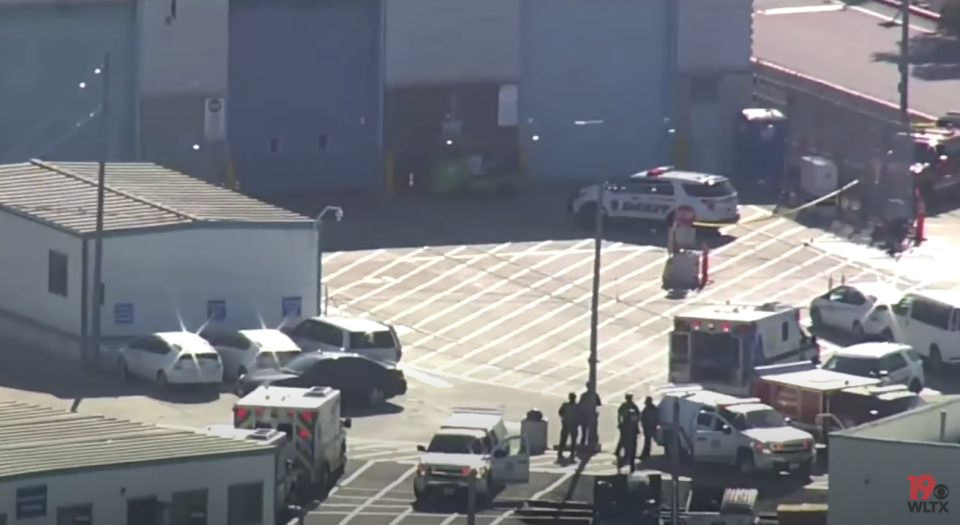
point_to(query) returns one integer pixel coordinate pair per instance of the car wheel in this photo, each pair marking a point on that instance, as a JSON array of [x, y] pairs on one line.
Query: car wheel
[[887, 335], [857, 330], [915, 386], [376, 397], [816, 318], [162, 380], [745, 463], [936, 359], [124, 371]]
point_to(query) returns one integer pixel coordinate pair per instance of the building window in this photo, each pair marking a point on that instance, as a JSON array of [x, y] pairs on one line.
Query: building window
[[144, 511], [245, 504], [274, 145], [3, 519], [705, 88], [189, 508], [57, 273], [75, 514], [322, 143]]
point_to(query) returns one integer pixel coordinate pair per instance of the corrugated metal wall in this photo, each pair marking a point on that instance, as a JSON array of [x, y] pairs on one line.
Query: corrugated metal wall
[[305, 95], [46, 52], [592, 62], [432, 42], [183, 61], [713, 52]]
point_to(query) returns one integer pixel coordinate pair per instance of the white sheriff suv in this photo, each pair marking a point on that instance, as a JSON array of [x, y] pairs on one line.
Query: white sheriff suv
[[654, 195], [471, 442]]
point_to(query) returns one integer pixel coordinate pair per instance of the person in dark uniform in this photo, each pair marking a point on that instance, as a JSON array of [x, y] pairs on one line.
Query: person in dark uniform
[[649, 421], [569, 421], [628, 424], [588, 417]]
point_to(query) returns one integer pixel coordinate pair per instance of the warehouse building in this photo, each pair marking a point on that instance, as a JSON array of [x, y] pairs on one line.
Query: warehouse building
[[871, 467], [177, 253], [61, 468]]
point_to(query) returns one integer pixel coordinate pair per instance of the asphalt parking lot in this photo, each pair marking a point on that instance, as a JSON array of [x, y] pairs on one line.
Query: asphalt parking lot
[[517, 314]]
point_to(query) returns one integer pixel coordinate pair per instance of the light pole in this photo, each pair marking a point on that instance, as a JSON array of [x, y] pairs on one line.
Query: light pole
[[337, 213], [101, 194], [592, 360]]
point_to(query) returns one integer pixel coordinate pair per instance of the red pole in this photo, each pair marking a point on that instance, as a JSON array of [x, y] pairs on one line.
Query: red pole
[[705, 266], [921, 220]]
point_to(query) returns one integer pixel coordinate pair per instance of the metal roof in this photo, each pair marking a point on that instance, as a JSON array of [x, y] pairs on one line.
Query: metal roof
[[138, 196], [37, 440]]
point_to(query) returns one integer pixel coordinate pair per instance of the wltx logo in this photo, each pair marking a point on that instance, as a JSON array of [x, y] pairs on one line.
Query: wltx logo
[[922, 487]]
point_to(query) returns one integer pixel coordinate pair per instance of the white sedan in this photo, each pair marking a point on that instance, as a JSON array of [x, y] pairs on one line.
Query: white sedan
[[891, 363], [859, 308], [168, 358]]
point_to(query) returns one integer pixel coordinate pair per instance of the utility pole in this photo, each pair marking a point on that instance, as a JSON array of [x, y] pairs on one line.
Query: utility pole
[[905, 62], [101, 193], [593, 438]]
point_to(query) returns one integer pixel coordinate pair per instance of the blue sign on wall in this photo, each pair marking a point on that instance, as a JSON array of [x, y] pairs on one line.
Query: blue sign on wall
[[216, 310], [123, 313], [291, 306], [31, 502]]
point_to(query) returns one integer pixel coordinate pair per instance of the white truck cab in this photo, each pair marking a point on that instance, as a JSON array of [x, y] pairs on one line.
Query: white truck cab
[[471, 442], [719, 347], [743, 432]]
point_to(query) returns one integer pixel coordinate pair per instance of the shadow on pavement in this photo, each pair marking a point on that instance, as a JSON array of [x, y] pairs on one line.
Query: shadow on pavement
[[375, 221], [933, 56], [42, 373], [358, 411]]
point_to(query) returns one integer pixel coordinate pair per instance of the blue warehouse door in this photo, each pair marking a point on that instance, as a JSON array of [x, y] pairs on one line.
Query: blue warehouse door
[[303, 109], [50, 89], [598, 111]]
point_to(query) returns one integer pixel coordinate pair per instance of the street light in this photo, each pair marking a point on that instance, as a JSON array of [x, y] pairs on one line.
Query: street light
[[592, 435], [337, 213]]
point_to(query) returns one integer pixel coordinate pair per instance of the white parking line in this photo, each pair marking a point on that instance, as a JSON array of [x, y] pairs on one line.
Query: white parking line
[[373, 499], [352, 477], [639, 306], [380, 289], [425, 377], [539, 495], [529, 306], [370, 256], [462, 284], [472, 298]]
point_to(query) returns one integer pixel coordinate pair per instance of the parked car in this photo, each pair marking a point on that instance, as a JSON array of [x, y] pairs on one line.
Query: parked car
[[862, 309], [366, 337], [891, 363], [172, 358], [245, 350], [359, 379]]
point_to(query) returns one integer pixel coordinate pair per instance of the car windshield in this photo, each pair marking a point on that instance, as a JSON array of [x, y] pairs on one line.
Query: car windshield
[[299, 364], [455, 444], [855, 366], [763, 419], [372, 340], [269, 359], [720, 188]]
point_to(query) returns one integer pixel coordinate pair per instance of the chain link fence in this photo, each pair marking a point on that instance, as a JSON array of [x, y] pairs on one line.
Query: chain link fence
[[863, 136]]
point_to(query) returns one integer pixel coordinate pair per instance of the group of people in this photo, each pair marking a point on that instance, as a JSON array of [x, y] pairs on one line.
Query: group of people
[[578, 419]]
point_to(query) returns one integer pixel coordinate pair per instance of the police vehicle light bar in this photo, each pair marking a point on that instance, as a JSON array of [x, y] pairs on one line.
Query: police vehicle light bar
[[741, 401], [660, 170]]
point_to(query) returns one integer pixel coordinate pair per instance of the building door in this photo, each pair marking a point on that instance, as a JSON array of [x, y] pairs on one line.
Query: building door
[[143, 511], [189, 508], [75, 515]]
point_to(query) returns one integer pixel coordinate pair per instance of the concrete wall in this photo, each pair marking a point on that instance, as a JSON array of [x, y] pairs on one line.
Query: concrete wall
[[110, 489], [47, 49], [183, 61], [593, 61], [868, 479], [305, 95], [451, 41]]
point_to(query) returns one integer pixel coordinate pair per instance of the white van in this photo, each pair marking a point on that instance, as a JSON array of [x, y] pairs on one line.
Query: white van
[[929, 321], [742, 432]]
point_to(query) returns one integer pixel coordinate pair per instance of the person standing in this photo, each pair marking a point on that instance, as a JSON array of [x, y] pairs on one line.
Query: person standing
[[649, 420], [628, 424], [588, 415], [569, 420]]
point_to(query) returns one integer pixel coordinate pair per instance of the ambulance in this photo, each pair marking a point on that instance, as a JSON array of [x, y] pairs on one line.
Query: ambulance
[[316, 435], [720, 347]]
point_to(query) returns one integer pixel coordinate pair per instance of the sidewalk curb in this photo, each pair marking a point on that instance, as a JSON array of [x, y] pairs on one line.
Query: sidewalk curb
[[914, 10]]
